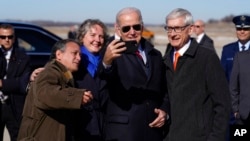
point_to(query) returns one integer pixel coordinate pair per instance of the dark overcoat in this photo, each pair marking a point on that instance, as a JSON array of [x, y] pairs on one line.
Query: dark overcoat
[[198, 94], [135, 90], [207, 42], [91, 115]]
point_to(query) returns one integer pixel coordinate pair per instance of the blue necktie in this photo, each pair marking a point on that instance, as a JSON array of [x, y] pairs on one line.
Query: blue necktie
[[243, 48]]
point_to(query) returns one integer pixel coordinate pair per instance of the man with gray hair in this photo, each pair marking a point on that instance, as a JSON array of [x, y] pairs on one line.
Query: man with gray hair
[[134, 71], [197, 87]]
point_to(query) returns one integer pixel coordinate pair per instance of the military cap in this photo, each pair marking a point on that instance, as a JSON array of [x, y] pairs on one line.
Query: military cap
[[242, 21]]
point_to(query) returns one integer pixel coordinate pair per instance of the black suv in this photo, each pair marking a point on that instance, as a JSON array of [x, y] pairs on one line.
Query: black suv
[[35, 40]]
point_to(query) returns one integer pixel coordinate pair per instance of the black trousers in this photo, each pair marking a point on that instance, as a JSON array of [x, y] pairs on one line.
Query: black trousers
[[10, 121]]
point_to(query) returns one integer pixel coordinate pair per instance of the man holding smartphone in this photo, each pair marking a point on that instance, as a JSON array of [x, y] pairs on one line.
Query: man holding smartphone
[[137, 107]]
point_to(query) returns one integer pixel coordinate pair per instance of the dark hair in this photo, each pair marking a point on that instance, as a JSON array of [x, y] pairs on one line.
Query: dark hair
[[60, 45], [7, 26]]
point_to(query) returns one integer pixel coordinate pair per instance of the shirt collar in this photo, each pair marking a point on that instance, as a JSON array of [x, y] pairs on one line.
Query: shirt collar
[[8, 52], [246, 45], [199, 37], [182, 50]]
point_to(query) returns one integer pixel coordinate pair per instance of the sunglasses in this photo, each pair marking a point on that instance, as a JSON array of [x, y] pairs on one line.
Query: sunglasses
[[4, 37], [136, 27], [244, 29], [197, 26]]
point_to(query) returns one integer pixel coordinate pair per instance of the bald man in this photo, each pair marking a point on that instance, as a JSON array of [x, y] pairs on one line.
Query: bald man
[[202, 38]]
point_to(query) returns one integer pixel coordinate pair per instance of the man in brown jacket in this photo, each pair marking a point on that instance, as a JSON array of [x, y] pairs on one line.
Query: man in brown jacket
[[52, 100]]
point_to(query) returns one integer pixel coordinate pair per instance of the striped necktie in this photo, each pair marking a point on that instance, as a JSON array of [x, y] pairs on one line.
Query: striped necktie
[[140, 56], [137, 53]]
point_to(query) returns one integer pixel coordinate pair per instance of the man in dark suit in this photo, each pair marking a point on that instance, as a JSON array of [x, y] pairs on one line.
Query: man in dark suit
[[137, 105], [14, 77], [239, 88], [242, 25], [197, 87], [201, 37]]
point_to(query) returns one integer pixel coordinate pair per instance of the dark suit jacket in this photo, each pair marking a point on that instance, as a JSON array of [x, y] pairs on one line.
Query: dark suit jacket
[[135, 90], [17, 80], [227, 56], [2, 65], [239, 84], [207, 42], [198, 94]]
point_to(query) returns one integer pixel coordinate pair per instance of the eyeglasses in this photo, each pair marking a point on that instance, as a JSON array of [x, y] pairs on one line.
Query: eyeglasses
[[136, 27], [244, 29], [197, 26], [4, 37], [176, 29]]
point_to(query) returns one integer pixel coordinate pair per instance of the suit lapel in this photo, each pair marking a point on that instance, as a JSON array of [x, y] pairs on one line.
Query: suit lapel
[[13, 65], [12, 68], [236, 48], [169, 55], [248, 47], [203, 39]]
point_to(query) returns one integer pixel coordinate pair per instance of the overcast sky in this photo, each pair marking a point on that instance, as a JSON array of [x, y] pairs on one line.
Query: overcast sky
[[153, 11]]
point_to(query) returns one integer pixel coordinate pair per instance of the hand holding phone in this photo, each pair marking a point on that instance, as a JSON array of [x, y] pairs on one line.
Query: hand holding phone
[[132, 46]]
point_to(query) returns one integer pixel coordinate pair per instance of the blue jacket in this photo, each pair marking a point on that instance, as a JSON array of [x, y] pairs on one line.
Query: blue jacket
[[227, 56]]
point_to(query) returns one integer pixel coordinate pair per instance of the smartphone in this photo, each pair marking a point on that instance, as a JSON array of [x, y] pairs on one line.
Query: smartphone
[[132, 46]]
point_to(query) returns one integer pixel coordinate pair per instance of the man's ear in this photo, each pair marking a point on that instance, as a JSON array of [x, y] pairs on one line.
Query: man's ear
[[117, 29], [191, 29], [58, 54]]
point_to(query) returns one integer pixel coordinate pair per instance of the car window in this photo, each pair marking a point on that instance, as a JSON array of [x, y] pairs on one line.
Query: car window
[[33, 41]]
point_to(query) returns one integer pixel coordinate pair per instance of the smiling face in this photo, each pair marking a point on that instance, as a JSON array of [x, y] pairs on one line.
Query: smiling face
[[243, 34], [93, 40], [70, 57], [178, 39], [130, 26]]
